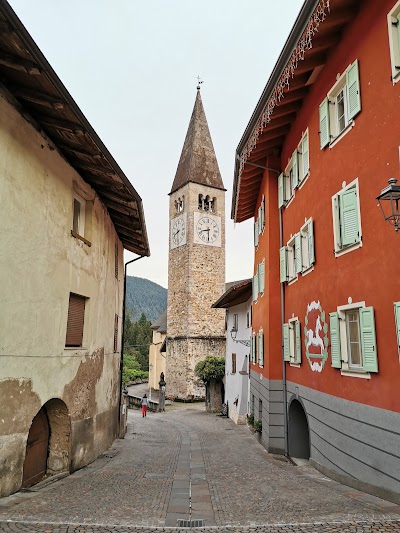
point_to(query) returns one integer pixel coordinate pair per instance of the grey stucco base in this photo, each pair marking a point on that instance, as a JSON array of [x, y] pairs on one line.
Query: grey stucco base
[[270, 392], [355, 444]]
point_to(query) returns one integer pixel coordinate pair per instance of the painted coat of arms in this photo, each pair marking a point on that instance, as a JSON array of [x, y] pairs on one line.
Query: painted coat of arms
[[316, 336]]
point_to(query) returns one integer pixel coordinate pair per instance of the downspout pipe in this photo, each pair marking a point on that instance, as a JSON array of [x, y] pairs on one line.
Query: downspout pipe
[[121, 362], [285, 417]]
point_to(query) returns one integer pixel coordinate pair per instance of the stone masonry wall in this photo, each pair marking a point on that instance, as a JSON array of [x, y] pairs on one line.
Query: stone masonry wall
[[196, 279]]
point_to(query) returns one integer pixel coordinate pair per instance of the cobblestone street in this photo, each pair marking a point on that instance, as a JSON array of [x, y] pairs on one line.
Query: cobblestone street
[[187, 464]]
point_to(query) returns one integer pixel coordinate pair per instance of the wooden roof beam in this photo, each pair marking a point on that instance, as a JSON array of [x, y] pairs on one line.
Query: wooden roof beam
[[281, 109], [310, 63], [95, 168], [115, 206], [39, 98], [60, 124], [18, 63], [101, 181]]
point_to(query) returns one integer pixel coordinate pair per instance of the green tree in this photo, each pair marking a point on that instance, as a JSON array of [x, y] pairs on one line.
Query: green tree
[[210, 368]]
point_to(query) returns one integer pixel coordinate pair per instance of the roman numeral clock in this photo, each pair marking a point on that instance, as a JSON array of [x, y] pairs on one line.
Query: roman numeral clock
[[207, 229]]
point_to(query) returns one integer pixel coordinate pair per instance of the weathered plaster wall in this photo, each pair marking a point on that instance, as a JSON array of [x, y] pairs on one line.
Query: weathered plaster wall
[[40, 264], [237, 384], [196, 279]]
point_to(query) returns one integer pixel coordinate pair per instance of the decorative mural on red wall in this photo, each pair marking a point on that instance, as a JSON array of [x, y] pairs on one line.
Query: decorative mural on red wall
[[316, 336]]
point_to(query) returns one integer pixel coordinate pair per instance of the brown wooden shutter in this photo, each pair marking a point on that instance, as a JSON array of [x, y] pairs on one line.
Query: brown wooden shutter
[[76, 316], [233, 363], [116, 333]]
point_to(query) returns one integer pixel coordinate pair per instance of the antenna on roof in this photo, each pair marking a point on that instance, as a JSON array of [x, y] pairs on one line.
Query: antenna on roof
[[199, 82]]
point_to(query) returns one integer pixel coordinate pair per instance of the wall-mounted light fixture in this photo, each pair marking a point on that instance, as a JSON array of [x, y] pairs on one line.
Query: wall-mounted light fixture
[[234, 335], [389, 203]]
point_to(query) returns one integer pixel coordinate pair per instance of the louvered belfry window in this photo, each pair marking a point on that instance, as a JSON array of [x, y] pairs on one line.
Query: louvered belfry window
[[76, 317]]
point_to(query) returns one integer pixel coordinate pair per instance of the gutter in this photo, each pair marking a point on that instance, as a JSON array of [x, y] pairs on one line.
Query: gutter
[[291, 43], [121, 363]]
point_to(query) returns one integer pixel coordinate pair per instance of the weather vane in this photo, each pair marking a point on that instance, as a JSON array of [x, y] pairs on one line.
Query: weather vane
[[199, 82]]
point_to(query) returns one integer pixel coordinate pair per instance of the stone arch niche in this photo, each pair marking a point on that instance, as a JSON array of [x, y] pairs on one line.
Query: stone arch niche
[[48, 444], [299, 433]]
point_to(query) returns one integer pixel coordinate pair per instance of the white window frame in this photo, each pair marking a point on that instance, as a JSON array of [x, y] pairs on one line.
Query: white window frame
[[346, 369], [286, 185], [292, 341], [394, 41], [306, 268], [303, 177], [335, 198], [291, 261], [82, 214], [334, 132]]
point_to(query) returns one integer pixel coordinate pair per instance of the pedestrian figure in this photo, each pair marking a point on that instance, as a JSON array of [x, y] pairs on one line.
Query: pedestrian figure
[[145, 403]]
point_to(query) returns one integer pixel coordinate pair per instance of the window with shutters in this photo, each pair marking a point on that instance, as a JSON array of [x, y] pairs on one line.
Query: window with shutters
[[394, 41], [260, 348], [346, 216], [116, 259], [233, 363], [255, 286], [303, 159], [261, 277], [116, 333], [296, 172], [293, 258], [306, 247], [75, 321], [292, 342], [235, 322], [338, 109], [353, 342]]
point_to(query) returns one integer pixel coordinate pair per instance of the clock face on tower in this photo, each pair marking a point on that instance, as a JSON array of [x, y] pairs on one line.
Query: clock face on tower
[[207, 229], [178, 231]]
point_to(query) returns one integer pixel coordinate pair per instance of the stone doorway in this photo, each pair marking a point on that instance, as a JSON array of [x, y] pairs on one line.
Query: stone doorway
[[299, 433], [48, 445]]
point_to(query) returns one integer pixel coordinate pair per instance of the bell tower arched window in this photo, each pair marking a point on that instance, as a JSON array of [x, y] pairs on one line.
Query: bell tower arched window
[[206, 203]]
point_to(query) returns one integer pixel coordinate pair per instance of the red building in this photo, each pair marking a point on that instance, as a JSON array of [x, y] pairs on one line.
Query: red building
[[319, 148]]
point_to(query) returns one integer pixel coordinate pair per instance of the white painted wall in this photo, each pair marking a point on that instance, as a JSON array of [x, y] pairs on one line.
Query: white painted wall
[[237, 384]]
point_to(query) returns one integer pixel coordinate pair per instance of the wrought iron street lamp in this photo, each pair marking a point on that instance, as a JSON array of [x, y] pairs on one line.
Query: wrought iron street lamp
[[234, 335], [389, 203]]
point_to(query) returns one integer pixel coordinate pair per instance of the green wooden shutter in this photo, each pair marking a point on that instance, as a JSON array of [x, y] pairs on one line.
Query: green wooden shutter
[[353, 90], [368, 340], [310, 237], [304, 150], [286, 351], [336, 221], [256, 233], [295, 168], [283, 264], [255, 287], [259, 220], [324, 128], [335, 340], [281, 190], [251, 348], [349, 223], [261, 277], [297, 253], [298, 341], [397, 319], [261, 348]]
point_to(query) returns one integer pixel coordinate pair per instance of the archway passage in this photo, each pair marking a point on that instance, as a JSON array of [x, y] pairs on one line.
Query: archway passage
[[35, 465], [299, 434]]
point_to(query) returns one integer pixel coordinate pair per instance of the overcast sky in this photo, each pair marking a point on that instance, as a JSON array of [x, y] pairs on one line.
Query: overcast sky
[[131, 66]]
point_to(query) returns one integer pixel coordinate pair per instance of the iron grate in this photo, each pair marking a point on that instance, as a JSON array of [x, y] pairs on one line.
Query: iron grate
[[191, 523]]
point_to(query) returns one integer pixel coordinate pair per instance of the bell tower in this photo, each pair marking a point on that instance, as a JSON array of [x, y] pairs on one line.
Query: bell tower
[[196, 264]]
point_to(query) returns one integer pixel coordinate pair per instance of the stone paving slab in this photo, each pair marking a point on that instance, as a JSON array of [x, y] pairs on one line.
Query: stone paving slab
[[383, 526], [151, 482]]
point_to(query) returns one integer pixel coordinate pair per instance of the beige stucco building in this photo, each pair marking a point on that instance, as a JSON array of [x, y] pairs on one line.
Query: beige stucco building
[[67, 213], [196, 266], [157, 350]]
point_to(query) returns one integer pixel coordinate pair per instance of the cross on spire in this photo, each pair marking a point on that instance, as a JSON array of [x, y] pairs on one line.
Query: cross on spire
[[199, 82]]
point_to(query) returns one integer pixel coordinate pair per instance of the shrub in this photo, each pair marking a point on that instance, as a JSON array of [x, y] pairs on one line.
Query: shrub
[[210, 368], [250, 420], [258, 426]]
